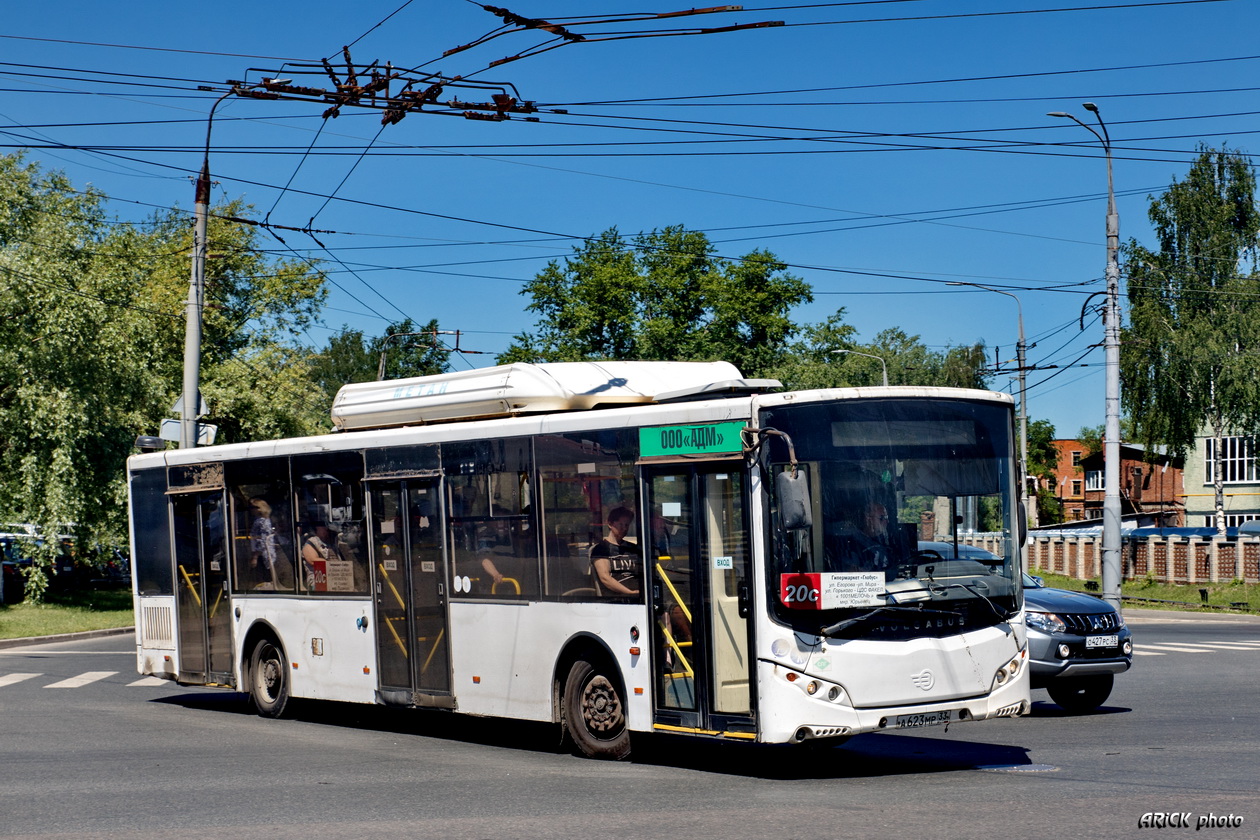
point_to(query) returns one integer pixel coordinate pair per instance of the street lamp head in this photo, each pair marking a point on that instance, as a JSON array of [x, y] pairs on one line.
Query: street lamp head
[[1090, 106], [1063, 114]]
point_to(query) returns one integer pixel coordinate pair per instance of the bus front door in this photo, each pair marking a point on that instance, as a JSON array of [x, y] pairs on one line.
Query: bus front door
[[201, 587], [409, 563], [696, 547]]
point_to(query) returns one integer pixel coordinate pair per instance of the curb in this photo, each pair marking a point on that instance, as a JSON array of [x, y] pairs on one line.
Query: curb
[[64, 637]]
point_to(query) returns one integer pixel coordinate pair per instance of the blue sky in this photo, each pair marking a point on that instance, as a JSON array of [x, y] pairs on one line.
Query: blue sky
[[882, 149]]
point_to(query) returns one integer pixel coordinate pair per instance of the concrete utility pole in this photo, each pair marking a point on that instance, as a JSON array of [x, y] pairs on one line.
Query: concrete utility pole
[[1111, 345], [196, 296]]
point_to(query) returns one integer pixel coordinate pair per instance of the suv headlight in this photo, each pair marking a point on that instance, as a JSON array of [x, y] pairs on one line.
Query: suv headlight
[[1045, 622]]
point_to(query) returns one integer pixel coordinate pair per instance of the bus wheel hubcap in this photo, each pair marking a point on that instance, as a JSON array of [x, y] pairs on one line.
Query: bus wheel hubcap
[[601, 707]]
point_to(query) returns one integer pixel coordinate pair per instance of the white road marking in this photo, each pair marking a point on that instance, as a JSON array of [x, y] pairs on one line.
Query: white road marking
[[83, 679], [150, 681], [10, 679]]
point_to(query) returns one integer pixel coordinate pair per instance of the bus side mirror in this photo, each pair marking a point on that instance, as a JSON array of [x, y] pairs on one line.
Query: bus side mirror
[[795, 507]]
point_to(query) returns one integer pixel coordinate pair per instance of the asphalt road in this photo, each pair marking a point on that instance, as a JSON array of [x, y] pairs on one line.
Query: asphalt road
[[88, 749]]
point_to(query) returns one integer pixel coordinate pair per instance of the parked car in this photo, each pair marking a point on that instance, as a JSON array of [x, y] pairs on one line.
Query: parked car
[[1077, 643]]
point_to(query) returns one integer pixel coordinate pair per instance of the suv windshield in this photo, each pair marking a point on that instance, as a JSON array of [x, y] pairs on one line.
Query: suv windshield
[[911, 525]]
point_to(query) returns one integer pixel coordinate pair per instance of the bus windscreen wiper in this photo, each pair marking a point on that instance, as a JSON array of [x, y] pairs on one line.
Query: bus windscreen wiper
[[849, 622]]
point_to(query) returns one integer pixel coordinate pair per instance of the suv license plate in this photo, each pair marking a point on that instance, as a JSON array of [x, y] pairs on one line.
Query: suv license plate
[[1101, 641], [926, 719]]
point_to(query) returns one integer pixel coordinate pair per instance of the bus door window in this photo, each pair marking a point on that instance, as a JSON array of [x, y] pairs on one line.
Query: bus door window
[[673, 594], [388, 547], [426, 559]]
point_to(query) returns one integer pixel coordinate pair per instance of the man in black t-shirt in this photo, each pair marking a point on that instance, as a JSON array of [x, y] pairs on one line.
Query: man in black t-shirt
[[616, 568]]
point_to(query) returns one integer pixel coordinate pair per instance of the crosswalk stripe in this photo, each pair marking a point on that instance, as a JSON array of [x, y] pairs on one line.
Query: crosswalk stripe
[[150, 681], [10, 679], [82, 680]]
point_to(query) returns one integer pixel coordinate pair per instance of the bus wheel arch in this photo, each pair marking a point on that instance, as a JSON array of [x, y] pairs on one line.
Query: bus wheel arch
[[591, 700]]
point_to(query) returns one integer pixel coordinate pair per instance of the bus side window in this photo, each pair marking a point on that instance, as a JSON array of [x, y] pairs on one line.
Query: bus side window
[[582, 476], [262, 525]]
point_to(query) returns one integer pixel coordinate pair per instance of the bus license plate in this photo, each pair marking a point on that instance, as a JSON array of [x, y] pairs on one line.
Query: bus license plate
[[1101, 641], [926, 719]]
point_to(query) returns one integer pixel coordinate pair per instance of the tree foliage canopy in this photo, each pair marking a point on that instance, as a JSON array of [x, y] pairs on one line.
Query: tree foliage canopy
[[92, 346], [1189, 355], [665, 296], [662, 295]]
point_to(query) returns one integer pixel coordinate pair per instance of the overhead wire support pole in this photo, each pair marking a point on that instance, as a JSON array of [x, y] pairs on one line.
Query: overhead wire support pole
[[191, 400], [1111, 348]]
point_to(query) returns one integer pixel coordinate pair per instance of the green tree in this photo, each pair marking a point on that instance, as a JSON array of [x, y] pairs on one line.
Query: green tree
[[1188, 357], [92, 347], [816, 361], [664, 295]]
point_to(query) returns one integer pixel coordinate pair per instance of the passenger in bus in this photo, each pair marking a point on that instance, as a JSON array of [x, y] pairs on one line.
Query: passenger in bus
[[496, 556], [262, 545], [616, 566], [325, 563]]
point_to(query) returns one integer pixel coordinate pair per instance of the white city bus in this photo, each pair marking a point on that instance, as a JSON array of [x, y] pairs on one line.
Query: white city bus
[[436, 551]]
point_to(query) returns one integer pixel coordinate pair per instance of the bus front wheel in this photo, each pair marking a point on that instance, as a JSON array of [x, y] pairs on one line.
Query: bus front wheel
[[268, 679], [595, 713]]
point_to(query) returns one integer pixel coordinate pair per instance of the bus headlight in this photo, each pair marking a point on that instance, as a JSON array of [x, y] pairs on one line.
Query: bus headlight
[[1008, 671]]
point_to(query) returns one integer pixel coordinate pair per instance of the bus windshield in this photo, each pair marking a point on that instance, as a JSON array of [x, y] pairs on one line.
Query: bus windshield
[[911, 528]]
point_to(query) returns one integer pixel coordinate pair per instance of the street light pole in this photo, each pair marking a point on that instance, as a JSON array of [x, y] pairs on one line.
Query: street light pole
[[883, 364], [1111, 346], [1020, 350]]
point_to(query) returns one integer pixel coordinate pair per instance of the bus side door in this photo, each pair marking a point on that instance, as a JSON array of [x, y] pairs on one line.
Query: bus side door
[[201, 587], [697, 550], [409, 570]]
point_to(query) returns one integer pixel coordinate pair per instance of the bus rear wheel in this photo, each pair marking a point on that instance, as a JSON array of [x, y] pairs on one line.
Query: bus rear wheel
[[268, 679], [595, 713]]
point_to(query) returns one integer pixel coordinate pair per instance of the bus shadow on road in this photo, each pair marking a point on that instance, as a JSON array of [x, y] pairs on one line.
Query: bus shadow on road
[[1050, 709], [864, 756]]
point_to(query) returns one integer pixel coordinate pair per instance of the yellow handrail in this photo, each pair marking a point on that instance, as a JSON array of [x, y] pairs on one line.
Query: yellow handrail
[[676, 646], [389, 622], [670, 584], [429, 658], [384, 574], [512, 581], [191, 586]]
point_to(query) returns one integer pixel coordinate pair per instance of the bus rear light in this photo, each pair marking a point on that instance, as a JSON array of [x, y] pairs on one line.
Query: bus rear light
[[366, 669], [634, 651], [638, 690], [295, 666], [812, 688], [792, 676], [476, 680]]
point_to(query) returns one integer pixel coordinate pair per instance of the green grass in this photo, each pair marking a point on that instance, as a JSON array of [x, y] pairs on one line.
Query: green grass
[[70, 612], [1151, 594]]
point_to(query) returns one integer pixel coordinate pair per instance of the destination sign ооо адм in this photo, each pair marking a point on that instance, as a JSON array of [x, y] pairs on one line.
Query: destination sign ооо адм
[[709, 438]]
